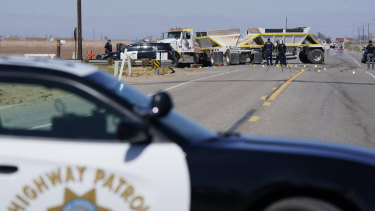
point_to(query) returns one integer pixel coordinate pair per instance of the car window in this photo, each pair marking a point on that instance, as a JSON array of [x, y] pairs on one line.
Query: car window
[[132, 48], [188, 35], [173, 120], [145, 48], [38, 109], [163, 46]]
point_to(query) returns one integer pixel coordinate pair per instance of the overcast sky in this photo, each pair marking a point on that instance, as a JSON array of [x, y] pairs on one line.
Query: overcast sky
[[123, 19]]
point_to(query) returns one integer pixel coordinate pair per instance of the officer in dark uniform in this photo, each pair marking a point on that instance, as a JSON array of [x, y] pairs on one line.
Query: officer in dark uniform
[[269, 47], [277, 52], [370, 54], [281, 49], [108, 46]]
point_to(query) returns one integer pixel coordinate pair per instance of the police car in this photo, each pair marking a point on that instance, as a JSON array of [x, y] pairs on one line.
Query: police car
[[74, 138]]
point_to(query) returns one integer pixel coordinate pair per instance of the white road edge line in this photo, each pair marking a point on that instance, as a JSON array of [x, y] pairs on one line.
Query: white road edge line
[[198, 79], [354, 60], [173, 87], [371, 74]]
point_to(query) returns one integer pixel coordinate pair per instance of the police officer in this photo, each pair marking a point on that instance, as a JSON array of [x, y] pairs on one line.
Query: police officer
[[108, 46], [281, 49], [370, 54], [277, 52], [269, 47]]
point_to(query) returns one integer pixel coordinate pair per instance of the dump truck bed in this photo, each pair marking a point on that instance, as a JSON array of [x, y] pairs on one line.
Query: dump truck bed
[[291, 37], [218, 38]]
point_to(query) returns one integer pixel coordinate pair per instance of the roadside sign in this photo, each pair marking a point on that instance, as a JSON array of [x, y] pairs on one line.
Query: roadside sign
[[58, 49], [156, 64], [162, 56]]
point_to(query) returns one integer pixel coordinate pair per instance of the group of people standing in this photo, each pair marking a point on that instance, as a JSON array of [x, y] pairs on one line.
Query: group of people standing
[[280, 50]]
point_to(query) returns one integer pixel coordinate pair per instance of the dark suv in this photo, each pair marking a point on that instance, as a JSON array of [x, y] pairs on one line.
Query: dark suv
[[143, 50]]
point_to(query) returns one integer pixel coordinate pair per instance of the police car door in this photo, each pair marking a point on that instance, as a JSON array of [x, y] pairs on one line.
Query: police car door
[[58, 152], [131, 51]]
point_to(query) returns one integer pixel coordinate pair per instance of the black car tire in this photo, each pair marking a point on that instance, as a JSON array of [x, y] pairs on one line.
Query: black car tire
[[301, 204], [303, 57], [316, 56]]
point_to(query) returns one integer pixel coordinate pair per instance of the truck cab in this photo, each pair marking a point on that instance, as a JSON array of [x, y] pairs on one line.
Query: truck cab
[[182, 41]]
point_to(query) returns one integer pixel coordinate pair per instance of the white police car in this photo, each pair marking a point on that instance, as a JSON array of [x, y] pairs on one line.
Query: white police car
[[75, 138]]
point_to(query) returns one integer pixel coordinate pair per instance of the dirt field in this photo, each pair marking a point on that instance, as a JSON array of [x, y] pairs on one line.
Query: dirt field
[[14, 94], [47, 47], [11, 94]]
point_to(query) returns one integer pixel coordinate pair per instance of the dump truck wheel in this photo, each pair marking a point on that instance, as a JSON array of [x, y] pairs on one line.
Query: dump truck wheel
[[196, 58], [243, 58], [252, 59], [217, 58], [227, 59], [303, 57], [316, 56]]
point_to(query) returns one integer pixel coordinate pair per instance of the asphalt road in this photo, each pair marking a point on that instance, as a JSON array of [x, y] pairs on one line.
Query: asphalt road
[[336, 104]]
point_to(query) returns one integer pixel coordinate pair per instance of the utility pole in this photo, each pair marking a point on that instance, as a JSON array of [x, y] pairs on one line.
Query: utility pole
[[368, 31], [359, 35], [353, 31], [286, 23], [363, 34], [75, 43], [79, 17]]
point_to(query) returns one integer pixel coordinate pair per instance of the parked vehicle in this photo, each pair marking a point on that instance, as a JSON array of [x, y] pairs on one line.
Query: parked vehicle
[[92, 142], [218, 47], [142, 51]]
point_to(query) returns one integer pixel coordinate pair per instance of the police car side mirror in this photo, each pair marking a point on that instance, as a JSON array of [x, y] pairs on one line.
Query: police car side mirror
[[161, 104], [133, 132]]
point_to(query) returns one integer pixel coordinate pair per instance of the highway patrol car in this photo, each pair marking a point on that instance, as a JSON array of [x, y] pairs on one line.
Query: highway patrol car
[[74, 138]]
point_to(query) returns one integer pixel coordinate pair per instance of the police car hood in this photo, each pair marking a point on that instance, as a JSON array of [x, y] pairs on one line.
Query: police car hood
[[170, 41], [301, 147]]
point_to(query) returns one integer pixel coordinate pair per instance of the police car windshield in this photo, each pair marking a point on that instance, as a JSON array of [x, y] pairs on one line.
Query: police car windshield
[[173, 121]]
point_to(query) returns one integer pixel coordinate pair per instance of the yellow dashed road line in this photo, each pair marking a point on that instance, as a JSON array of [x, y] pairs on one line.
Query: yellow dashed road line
[[266, 103], [254, 119], [282, 87], [275, 94]]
